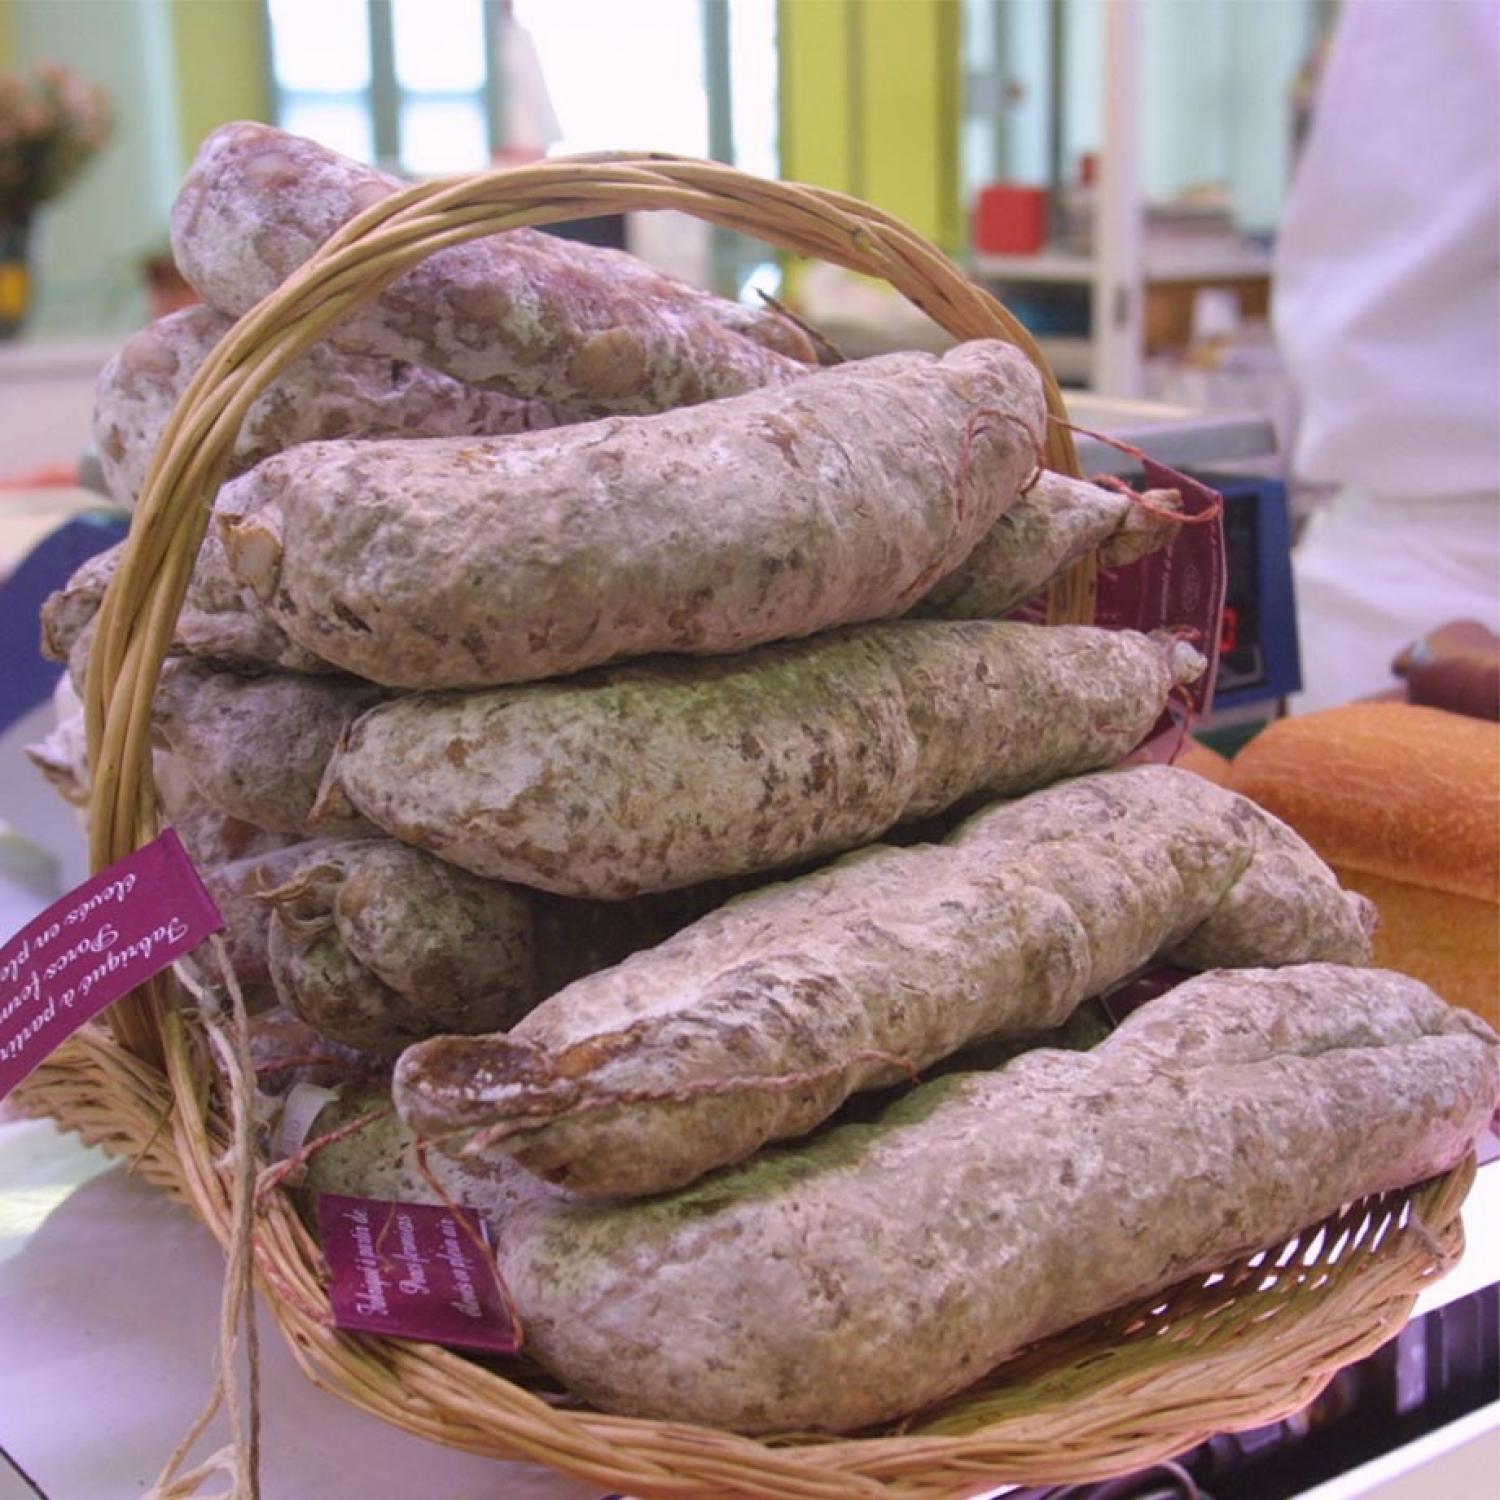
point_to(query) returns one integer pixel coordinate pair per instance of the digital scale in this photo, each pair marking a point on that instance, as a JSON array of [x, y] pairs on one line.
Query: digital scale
[[1258, 660]]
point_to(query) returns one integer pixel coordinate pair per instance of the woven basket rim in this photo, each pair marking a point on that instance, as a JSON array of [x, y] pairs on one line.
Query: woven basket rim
[[150, 1089], [1143, 1385]]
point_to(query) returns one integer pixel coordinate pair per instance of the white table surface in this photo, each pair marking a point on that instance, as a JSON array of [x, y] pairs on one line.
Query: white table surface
[[108, 1308]]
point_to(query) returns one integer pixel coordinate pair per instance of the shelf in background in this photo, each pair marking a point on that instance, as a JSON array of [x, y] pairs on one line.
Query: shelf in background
[[1173, 435], [47, 401], [1184, 260], [1170, 261], [1046, 265], [1069, 356]]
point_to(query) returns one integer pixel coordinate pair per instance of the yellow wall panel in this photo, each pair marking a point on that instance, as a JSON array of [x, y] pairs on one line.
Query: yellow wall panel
[[869, 104], [222, 70], [908, 68], [814, 44]]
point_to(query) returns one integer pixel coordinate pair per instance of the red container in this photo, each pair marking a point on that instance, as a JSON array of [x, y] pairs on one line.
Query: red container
[[1010, 219]]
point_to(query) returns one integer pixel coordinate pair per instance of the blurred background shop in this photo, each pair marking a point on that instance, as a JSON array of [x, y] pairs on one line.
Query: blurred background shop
[[1258, 238], [1117, 171], [981, 124]]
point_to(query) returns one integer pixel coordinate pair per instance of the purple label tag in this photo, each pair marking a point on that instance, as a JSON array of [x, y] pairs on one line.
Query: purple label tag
[[414, 1271], [1181, 587], [98, 943]]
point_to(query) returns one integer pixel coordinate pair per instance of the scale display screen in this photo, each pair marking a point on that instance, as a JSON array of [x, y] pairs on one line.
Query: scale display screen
[[1242, 658], [1258, 658]]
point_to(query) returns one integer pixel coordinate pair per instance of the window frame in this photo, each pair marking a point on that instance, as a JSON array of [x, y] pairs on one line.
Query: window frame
[[731, 256], [383, 95]]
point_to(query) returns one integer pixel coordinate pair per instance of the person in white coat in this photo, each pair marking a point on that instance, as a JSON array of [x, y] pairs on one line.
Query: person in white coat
[[1387, 308]]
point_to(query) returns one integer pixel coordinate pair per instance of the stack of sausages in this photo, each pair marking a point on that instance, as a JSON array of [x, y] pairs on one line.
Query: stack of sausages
[[638, 767]]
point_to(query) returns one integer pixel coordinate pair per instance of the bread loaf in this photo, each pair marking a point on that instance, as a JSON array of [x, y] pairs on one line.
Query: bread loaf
[[456, 563], [668, 773], [1456, 667], [878, 1268], [523, 312], [756, 1022], [1404, 802], [324, 394], [1204, 761]]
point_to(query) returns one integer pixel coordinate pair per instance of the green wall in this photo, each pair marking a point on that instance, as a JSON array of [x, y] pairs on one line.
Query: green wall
[[174, 69], [90, 242], [219, 51], [869, 104]]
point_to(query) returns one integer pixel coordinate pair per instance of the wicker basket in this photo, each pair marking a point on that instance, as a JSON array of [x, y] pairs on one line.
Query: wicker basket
[[1241, 1347]]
